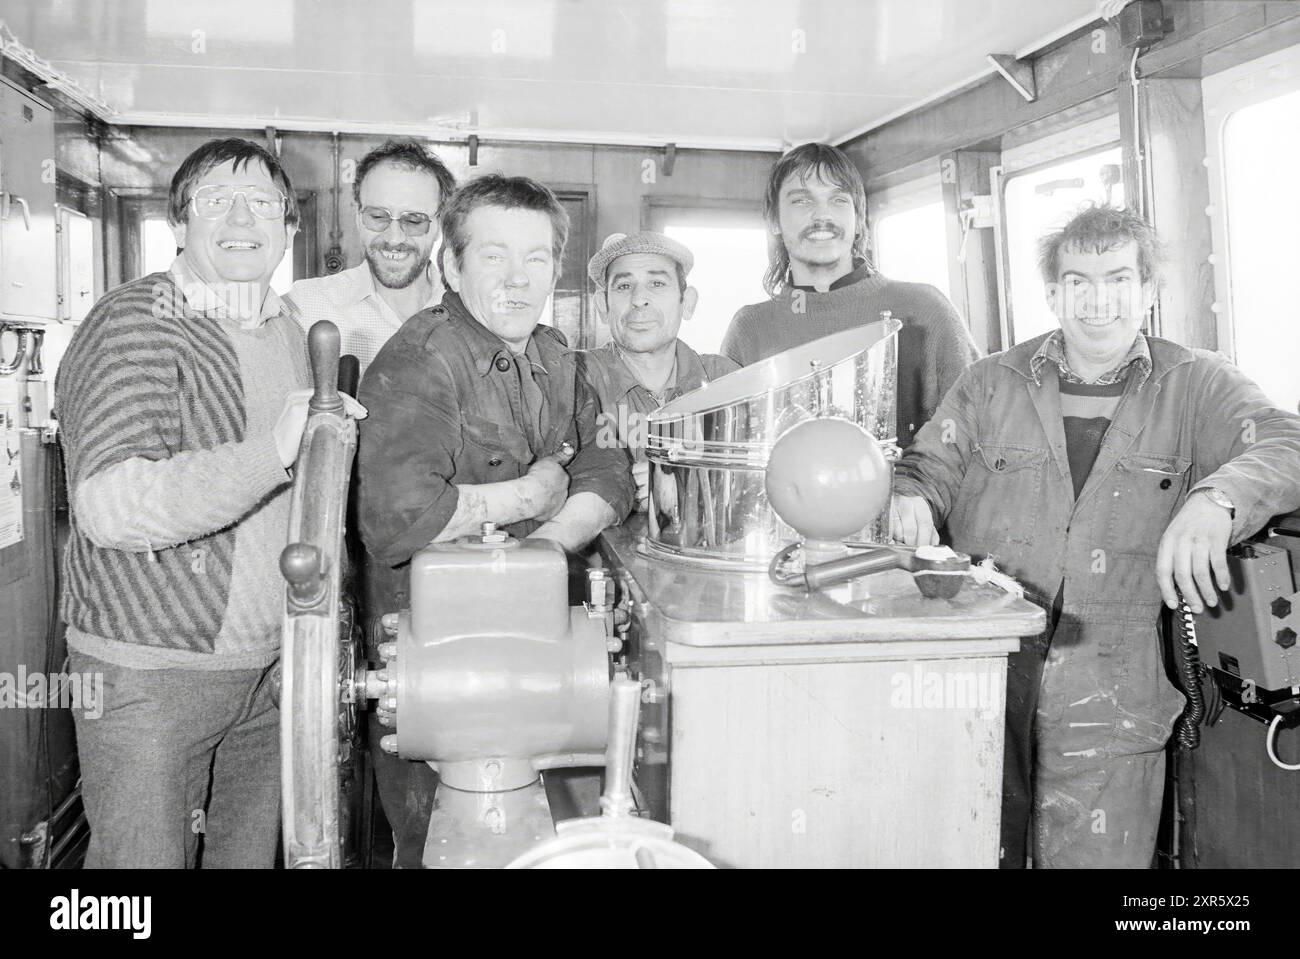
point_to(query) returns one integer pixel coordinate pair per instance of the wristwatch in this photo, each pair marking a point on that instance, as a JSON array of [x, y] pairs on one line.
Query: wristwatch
[[1219, 498]]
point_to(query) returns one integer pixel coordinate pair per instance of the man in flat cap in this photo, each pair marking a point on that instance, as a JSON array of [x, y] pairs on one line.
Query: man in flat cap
[[643, 296]]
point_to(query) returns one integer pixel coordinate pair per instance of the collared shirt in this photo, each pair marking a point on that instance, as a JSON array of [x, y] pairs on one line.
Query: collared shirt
[[450, 406], [1053, 350], [350, 301], [859, 272], [625, 403], [202, 298], [533, 394], [528, 395]]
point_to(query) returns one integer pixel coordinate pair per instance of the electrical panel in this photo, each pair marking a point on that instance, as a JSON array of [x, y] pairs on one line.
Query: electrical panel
[[28, 275]]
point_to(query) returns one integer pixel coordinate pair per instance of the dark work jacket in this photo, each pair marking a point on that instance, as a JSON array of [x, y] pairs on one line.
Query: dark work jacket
[[625, 403], [445, 410], [992, 463]]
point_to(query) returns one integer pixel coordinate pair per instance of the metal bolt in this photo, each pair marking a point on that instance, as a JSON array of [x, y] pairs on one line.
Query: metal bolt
[[600, 590], [613, 645], [1286, 637], [387, 651], [390, 704], [389, 744], [389, 622], [1281, 607]]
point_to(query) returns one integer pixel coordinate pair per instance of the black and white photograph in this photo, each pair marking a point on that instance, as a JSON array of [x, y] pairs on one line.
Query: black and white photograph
[[713, 435]]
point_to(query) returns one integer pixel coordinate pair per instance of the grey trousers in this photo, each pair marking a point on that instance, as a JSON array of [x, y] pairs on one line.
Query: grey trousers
[[177, 756]]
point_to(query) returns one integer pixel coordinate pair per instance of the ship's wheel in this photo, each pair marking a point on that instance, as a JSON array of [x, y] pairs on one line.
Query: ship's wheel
[[321, 756]]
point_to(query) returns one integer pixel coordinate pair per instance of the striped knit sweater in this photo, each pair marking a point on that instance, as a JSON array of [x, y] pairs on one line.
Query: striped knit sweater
[[160, 470]]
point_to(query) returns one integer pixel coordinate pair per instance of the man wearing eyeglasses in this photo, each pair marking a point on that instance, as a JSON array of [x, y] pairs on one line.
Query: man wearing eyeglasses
[[400, 189], [182, 401]]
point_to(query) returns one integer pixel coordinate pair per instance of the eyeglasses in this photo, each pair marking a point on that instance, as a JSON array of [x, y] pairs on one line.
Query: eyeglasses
[[412, 222], [213, 202]]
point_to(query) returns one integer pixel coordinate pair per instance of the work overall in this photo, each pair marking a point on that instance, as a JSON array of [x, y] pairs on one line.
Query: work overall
[[1089, 706]]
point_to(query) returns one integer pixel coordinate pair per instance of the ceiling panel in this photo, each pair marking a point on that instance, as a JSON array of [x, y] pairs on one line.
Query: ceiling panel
[[742, 74]]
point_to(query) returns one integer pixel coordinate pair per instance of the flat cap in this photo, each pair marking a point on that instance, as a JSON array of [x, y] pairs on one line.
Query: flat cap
[[621, 244]]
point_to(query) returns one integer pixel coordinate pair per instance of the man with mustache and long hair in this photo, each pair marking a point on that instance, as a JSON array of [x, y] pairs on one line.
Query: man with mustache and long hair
[[821, 282]]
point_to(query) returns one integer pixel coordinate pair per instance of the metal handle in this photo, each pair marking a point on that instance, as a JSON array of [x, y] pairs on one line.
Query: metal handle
[[876, 559], [851, 567], [323, 347], [15, 198], [349, 375], [620, 750], [302, 566], [12, 367], [36, 365]]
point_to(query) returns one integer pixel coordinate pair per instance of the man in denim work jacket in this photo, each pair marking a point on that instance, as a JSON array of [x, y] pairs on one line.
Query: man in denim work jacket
[[1105, 469], [479, 415]]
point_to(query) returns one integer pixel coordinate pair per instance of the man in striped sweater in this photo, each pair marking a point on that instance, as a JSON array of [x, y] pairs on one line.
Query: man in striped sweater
[[182, 403]]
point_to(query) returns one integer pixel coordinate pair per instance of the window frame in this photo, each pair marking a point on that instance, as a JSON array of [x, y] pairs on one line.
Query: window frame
[[582, 231], [726, 212], [1224, 94], [902, 197], [745, 213], [1064, 149]]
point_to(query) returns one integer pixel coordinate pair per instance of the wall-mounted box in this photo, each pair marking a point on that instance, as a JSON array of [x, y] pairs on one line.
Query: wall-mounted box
[[28, 274]]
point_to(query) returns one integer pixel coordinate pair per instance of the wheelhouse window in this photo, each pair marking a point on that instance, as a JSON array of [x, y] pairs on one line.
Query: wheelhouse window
[[1253, 137], [908, 232], [729, 242], [1036, 202], [911, 244]]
